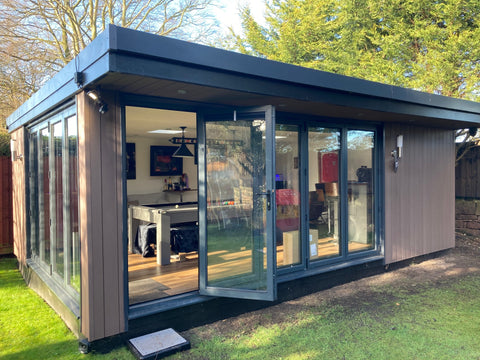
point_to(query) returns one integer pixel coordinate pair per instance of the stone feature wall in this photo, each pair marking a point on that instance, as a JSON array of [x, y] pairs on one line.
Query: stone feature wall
[[467, 216]]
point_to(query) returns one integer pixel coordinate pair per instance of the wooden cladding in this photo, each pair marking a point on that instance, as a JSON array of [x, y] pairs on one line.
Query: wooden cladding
[[6, 208], [101, 218], [18, 189], [420, 197]]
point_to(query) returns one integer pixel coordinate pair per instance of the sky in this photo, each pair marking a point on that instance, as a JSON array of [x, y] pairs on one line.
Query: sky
[[228, 14]]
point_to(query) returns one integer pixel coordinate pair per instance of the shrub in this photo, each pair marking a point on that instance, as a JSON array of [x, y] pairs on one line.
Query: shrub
[[4, 143]]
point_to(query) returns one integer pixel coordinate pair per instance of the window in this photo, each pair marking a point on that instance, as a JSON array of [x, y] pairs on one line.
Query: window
[[53, 199], [335, 192]]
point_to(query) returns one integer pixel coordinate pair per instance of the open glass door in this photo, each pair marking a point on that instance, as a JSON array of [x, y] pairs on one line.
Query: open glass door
[[236, 200]]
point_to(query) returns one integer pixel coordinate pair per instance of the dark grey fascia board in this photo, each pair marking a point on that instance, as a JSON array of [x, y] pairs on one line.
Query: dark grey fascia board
[[132, 64], [155, 46], [98, 59], [93, 62]]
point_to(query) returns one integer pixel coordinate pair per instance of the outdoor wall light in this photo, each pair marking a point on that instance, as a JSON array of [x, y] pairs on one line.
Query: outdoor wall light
[[13, 151], [397, 152], [95, 97]]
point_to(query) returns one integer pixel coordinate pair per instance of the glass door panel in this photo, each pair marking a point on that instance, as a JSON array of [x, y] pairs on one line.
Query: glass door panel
[[57, 212], [324, 192], [239, 198], [44, 195], [287, 186], [361, 234]]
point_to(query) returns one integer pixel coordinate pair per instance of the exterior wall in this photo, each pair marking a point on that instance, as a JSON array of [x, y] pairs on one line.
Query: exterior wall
[[101, 218], [6, 208], [420, 197], [19, 204]]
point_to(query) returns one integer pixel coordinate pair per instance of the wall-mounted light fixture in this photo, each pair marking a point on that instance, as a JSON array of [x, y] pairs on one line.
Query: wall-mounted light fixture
[[13, 151], [397, 152], [94, 95]]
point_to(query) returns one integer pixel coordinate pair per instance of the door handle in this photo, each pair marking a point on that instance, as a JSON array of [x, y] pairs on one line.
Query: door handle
[[268, 195]]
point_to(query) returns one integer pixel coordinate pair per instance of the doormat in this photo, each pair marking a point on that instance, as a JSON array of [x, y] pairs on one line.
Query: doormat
[[158, 344]]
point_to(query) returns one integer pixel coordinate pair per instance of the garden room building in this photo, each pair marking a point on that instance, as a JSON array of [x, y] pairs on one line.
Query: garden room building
[[156, 179]]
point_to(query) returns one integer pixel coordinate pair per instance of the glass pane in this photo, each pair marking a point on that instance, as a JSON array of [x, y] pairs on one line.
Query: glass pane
[[236, 207], [58, 185], [360, 190], [324, 193], [74, 239], [287, 184], [44, 196], [33, 188]]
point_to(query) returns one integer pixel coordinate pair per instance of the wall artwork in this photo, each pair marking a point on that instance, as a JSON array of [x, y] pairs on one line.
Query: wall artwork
[[162, 163], [131, 163]]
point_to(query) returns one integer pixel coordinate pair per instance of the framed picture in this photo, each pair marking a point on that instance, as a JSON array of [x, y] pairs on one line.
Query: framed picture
[[162, 163], [131, 163]]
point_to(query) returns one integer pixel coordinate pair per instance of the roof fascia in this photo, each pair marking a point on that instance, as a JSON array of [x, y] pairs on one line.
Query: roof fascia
[[200, 55]]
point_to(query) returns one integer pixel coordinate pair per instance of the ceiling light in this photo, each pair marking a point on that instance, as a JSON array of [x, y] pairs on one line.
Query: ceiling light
[[165, 131], [183, 150]]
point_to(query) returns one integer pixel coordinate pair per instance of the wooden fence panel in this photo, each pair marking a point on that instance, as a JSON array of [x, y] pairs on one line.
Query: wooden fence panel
[[6, 210], [467, 175]]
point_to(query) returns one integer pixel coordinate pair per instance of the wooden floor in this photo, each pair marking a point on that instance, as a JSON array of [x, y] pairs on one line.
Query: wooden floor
[[149, 281]]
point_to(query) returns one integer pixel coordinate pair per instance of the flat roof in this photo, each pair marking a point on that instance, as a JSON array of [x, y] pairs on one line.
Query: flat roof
[[138, 63]]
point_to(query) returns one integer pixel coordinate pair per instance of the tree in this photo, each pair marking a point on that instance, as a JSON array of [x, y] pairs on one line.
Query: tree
[[40, 36], [427, 45], [432, 46]]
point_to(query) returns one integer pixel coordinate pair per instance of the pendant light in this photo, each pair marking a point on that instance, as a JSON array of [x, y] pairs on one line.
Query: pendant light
[[183, 151]]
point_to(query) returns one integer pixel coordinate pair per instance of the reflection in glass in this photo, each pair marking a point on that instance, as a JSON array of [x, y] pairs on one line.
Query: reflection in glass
[[236, 208], [360, 190], [33, 189], [324, 195], [287, 186], [58, 184], [73, 235], [44, 196]]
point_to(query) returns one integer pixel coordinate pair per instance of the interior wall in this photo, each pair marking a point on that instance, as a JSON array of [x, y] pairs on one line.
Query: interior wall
[[146, 184], [420, 196]]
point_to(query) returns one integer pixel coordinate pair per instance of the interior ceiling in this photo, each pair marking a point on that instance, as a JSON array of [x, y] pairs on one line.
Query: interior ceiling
[[140, 120]]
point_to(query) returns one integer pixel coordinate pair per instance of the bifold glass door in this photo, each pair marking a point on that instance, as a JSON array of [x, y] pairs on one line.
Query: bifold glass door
[[237, 196]]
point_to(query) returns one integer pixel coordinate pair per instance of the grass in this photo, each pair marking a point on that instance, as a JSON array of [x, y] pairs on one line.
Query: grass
[[30, 329], [432, 322]]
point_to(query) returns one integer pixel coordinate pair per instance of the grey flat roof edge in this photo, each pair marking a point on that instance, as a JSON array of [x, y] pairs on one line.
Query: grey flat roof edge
[[94, 62], [201, 55]]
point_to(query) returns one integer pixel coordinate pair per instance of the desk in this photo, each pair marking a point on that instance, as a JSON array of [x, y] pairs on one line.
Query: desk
[[163, 217]]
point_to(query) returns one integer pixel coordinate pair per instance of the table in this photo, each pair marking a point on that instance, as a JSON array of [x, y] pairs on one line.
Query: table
[[163, 217]]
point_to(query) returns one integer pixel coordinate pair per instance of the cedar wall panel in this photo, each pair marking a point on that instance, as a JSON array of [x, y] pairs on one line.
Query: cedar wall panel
[[101, 219], [420, 197], [19, 206]]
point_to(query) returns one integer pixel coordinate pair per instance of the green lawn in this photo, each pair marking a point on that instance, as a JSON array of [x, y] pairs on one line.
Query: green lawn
[[431, 322]]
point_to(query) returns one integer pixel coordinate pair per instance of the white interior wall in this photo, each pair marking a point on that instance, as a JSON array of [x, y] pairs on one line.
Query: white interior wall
[[146, 184]]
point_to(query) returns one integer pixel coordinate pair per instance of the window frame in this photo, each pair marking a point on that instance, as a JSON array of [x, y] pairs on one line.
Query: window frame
[[61, 115]]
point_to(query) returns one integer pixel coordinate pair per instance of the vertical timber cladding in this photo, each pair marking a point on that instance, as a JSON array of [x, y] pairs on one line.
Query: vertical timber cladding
[[19, 205], [101, 225], [420, 197]]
